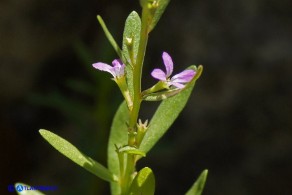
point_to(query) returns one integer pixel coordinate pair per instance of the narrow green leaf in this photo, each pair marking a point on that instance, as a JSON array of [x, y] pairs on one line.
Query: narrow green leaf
[[71, 152], [162, 4], [166, 114], [198, 186], [24, 189], [110, 37], [143, 183], [132, 150], [118, 136], [158, 96], [131, 39]]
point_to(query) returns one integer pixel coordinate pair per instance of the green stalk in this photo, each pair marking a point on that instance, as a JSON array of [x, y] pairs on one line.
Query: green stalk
[[128, 174], [137, 99]]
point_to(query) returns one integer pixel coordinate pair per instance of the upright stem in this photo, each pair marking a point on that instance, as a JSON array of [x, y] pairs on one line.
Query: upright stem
[[137, 75]]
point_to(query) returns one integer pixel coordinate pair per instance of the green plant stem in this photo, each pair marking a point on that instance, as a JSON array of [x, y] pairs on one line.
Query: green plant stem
[[137, 75], [121, 162], [128, 174]]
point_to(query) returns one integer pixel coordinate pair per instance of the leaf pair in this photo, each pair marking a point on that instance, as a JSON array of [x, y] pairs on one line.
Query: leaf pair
[[143, 183]]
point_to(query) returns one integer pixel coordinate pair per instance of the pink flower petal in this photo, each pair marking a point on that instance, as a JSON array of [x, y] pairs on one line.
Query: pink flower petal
[[158, 74], [117, 70], [118, 67], [117, 62], [104, 67], [168, 63], [178, 85], [184, 77]]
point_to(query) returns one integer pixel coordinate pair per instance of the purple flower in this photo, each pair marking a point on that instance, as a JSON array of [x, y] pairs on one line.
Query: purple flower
[[117, 70], [177, 80]]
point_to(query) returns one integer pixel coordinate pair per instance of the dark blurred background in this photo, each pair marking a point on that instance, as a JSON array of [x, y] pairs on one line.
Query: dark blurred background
[[238, 122]]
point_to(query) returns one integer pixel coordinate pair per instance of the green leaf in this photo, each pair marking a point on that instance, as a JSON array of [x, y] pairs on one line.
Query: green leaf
[[20, 188], [198, 186], [71, 152], [143, 183], [162, 4], [118, 136], [131, 39], [109, 36], [166, 114], [158, 96], [132, 150]]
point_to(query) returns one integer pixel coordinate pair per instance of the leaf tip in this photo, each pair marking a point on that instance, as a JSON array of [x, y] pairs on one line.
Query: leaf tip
[[205, 172], [100, 20], [134, 13], [200, 67], [199, 72], [42, 131]]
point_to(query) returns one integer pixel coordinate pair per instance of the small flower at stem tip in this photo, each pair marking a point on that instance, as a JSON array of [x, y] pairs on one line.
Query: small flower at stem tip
[[117, 70], [179, 80]]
